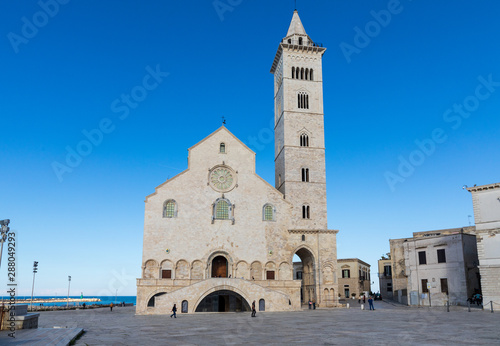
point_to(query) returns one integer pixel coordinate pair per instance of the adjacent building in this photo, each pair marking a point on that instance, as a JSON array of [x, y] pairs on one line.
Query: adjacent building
[[218, 237], [385, 277], [354, 279], [435, 267], [486, 204]]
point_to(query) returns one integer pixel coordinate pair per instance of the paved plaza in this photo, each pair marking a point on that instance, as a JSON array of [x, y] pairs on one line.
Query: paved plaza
[[389, 324]]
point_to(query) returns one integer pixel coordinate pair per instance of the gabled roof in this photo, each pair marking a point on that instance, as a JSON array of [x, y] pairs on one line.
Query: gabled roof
[[222, 128], [296, 27]]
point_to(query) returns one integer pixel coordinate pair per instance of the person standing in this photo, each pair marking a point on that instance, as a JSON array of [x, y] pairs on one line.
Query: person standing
[[314, 304], [370, 301], [111, 307], [174, 310], [310, 304], [364, 299], [253, 309]]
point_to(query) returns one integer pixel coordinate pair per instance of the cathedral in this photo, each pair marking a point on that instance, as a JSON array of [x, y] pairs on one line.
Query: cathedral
[[218, 237]]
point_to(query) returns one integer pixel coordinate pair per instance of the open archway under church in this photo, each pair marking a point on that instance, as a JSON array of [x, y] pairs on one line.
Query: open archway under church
[[303, 269], [223, 301]]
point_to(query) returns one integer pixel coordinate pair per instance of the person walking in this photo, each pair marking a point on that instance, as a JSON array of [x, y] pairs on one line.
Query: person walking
[[370, 301], [364, 299], [253, 309], [310, 304], [174, 310], [111, 307]]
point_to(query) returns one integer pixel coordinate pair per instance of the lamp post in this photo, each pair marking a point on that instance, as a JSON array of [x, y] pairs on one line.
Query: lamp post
[[69, 284], [35, 270], [3, 235]]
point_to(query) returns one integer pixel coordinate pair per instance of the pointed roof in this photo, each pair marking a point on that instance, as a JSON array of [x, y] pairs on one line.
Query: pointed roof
[[296, 27]]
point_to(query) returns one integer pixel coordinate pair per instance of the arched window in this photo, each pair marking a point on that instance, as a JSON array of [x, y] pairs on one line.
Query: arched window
[[222, 148], [307, 73], [303, 237], [222, 210], [262, 305], [305, 175], [289, 41], [293, 72], [305, 212], [268, 212], [184, 307], [304, 140], [303, 100], [302, 73], [311, 75], [297, 72], [300, 41], [170, 209]]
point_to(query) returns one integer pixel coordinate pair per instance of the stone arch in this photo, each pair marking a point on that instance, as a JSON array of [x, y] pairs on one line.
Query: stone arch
[[150, 269], [242, 270], [270, 269], [306, 255], [332, 295], [151, 300], [165, 266], [182, 269], [256, 270], [244, 295], [285, 271], [210, 258], [197, 270]]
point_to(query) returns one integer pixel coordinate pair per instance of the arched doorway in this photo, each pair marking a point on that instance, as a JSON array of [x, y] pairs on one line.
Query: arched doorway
[[219, 267], [304, 270], [223, 301]]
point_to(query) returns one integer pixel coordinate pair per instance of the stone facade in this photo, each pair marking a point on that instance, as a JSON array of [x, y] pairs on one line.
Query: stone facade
[[218, 237], [486, 204], [435, 267], [385, 278], [354, 277]]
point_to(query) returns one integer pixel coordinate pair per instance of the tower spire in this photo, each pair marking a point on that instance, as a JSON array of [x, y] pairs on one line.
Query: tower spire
[[296, 27]]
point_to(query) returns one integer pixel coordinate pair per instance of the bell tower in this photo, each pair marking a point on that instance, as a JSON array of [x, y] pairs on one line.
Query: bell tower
[[299, 127]]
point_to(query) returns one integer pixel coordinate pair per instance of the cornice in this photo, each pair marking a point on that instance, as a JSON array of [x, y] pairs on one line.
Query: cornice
[[310, 231]]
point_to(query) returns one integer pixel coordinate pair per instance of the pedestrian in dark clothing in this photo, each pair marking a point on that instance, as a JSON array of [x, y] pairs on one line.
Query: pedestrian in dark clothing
[[364, 299], [84, 305], [370, 301], [310, 304], [111, 307], [174, 310], [314, 304], [253, 309]]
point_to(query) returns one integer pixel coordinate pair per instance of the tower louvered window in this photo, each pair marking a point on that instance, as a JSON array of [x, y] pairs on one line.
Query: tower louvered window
[[303, 100], [304, 140]]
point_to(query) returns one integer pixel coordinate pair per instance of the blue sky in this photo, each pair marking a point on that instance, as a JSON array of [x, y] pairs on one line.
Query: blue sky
[[427, 77]]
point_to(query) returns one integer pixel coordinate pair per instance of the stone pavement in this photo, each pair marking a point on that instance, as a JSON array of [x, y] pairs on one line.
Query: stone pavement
[[389, 324], [40, 336]]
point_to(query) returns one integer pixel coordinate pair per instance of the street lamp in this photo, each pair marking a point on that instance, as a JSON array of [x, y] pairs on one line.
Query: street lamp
[[35, 270], [3, 235], [69, 284]]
